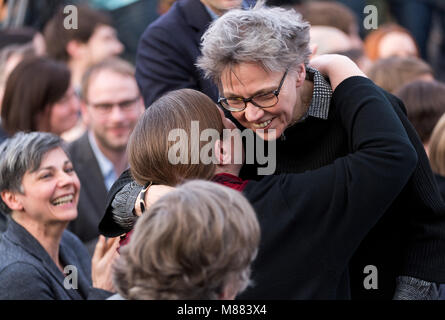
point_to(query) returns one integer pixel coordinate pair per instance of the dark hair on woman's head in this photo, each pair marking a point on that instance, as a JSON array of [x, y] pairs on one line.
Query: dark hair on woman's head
[[31, 89]]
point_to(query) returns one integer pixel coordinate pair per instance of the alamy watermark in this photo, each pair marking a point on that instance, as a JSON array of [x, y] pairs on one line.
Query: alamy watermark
[[371, 20], [188, 149], [71, 19], [71, 277], [371, 280]]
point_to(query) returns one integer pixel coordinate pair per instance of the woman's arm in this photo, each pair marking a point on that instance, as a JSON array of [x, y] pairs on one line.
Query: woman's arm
[[344, 200], [123, 204]]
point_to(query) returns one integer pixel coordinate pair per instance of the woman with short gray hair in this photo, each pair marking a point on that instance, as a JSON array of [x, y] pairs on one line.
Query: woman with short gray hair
[[259, 60], [275, 38], [40, 259]]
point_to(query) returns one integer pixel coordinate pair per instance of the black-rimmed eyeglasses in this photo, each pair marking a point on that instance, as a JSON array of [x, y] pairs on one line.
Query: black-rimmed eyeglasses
[[262, 100]]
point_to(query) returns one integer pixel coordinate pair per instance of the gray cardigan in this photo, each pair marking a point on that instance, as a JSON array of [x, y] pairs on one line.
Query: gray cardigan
[[28, 272]]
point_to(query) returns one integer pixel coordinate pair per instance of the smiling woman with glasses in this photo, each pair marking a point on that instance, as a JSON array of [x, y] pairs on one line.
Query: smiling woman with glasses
[[246, 52], [260, 100]]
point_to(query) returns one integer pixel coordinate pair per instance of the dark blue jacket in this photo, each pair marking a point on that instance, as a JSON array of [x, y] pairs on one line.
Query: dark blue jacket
[[3, 134], [27, 271], [168, 50]]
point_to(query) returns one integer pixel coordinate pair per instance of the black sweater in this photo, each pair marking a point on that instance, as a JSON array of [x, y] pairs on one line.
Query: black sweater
[[409, 240], [441, 184]]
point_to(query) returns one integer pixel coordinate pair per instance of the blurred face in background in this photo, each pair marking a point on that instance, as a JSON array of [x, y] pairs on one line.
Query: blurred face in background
[[102, 44], [64, 113], [397, 44], [112, 109]]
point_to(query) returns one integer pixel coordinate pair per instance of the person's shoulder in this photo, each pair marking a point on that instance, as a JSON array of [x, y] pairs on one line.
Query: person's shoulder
[[267, 186], [11, 252], [76, 146], [19, 268], [174, 17], [348, 85], [17, 264], [23, 280]]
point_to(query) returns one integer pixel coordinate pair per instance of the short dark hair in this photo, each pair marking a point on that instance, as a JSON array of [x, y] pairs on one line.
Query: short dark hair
[[57, 37], [34, 85], [425, 104]]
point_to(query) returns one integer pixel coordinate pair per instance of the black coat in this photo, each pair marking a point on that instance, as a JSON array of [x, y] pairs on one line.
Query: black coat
[[313, 222], [168, 50], [92, 192]]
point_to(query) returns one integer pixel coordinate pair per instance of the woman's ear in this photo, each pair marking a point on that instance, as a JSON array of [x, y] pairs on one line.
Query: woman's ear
[[313, 47], [11, 200], [221, 153], [76, 49], [301, 75]]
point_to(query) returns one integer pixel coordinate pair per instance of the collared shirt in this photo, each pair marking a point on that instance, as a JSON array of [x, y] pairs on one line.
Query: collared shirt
[[105, 165], [321, 97], [244, 5]]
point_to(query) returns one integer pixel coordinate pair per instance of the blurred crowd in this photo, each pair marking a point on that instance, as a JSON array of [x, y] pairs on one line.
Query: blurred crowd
[[71, 98]]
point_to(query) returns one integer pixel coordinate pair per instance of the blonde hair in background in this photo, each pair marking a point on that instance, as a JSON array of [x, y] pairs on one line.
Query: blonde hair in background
[[115, 64], [437, 147], [196, 242], [394, 72]]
